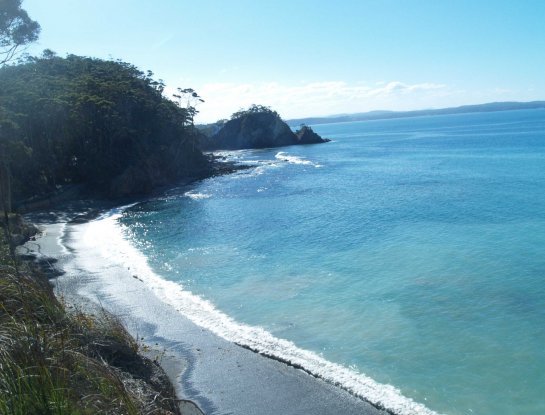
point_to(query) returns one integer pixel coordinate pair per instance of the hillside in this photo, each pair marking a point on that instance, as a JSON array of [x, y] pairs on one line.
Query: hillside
[[101, 124], [383, 115]]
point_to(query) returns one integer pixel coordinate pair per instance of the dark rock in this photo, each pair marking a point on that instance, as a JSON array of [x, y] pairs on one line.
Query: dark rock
[[305, 135], [21, 231], [257, 130], [48, 200], [85, 217]]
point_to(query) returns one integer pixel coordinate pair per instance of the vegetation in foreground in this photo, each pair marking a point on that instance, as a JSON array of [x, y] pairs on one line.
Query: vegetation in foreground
[[57, 362], [105, 125]]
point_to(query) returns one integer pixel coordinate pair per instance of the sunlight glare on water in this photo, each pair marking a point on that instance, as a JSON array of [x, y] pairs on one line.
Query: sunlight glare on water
[[414, 253]]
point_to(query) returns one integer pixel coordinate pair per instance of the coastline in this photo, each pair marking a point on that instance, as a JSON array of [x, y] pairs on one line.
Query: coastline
[[201, 365]]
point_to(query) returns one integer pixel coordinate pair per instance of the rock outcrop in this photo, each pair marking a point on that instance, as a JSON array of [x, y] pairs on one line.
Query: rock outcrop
[[305, 135], [260, 129]]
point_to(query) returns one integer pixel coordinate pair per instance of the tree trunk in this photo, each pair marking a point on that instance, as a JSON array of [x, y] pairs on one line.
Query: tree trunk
[[5, 183]]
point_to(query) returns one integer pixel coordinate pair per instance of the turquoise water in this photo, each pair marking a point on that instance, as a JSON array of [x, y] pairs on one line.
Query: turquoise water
[[410, 250]]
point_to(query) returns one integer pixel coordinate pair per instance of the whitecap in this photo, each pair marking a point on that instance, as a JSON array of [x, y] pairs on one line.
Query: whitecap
[[110, 239], [294, 159], [196, 195], [261, 167]]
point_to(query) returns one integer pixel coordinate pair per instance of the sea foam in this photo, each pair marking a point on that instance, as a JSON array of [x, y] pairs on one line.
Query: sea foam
[[281, 155], [110, 240], [196, 195]]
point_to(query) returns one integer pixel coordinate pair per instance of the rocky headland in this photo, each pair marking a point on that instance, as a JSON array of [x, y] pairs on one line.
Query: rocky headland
[[258, 127]]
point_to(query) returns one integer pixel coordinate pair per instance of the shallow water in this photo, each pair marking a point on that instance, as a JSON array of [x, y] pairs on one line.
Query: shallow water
[[408, 250]]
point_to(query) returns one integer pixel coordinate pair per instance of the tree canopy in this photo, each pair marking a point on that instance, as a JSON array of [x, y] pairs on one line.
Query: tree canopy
[[83, 120], [17, 29], [254, 109]]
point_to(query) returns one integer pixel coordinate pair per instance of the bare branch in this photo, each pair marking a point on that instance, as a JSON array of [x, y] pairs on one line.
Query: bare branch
[[17, 29]]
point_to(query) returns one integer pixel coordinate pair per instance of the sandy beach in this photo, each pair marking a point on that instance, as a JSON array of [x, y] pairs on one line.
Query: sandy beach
[[220, 377]]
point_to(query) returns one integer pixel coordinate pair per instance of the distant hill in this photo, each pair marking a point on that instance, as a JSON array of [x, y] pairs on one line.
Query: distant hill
[[383, 115]]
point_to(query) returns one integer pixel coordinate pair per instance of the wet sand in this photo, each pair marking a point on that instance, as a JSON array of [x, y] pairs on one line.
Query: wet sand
[[220, 377]]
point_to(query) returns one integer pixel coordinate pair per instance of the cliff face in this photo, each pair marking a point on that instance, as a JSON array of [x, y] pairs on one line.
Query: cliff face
[[257, 130], [305, 135]]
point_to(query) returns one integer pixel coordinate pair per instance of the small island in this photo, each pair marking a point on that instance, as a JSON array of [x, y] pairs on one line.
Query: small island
[[257, 127]]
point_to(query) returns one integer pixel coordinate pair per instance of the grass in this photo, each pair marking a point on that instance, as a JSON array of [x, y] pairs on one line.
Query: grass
[[58, 362]]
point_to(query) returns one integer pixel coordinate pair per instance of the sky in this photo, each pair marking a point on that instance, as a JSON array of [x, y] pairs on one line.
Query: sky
[[313, 58]]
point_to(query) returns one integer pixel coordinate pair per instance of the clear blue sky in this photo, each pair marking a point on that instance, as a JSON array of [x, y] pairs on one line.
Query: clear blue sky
[[307, 58]]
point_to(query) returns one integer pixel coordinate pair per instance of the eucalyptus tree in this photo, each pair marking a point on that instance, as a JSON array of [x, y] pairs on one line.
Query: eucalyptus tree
[[17, 29], [190, 98], [100, 123]]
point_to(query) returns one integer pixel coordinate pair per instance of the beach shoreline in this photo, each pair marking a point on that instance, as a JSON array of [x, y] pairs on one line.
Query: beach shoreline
[[207, 372]]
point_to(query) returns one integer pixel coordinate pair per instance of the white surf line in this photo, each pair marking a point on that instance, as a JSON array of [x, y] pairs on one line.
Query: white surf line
[[283, 156], [107, 236], [196, 195]]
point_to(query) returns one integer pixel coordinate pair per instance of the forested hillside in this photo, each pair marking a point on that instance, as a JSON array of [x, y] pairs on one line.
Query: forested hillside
[[104, 124]]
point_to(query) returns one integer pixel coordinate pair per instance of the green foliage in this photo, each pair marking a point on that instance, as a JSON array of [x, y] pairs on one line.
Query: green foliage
[[17, 29], [45, 356], [84, 120], [254, 109], [59, 363], [303, 128], [191, 99]]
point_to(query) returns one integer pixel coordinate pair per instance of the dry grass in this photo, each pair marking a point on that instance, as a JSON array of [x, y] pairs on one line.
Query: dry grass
[[54, 362]]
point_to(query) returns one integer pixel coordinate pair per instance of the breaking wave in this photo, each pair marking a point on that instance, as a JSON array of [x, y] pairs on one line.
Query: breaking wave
[[196, 195], [294, 159], [112, 242]]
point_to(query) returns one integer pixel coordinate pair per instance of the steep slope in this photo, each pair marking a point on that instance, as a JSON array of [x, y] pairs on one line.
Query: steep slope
[[258, 128], [102, 124]]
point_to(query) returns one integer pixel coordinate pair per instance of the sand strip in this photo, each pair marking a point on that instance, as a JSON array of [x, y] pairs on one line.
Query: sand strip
[[217, 375]]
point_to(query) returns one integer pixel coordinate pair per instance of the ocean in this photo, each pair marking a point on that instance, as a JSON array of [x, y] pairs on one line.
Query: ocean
[[403, 261]]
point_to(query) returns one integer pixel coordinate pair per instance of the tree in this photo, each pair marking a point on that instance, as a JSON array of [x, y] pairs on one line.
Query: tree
[[191, 99], [17, 29], [101, 124], [254, 109]]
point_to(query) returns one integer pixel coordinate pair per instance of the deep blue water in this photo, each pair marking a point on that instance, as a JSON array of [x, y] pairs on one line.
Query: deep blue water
[[410, 250]]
